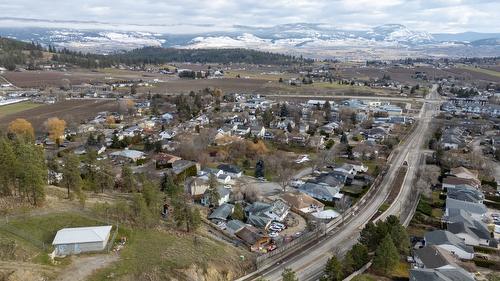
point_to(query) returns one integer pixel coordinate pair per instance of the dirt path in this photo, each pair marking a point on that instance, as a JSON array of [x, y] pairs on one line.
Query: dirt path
[[82, 267]]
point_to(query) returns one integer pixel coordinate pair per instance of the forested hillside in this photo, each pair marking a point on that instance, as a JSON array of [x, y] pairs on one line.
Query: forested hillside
[[14, 52]]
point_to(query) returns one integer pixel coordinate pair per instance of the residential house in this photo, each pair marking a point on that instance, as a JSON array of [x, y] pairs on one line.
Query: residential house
[[242, 130], [165, 160], [321, 191], [376, 134], [346, 168], [233, 226], [276, 211], [462, 172], [223, 196], [440, 274], [477, 210], [465, 194], [232, 170], [197, 187], [454, 182], [433, 257], [330, 127], [168, 134], [253, 237], [342, 177], [222, 213], [472, 231], [128, 154], [258, 131], [303, 203], [449, 242]]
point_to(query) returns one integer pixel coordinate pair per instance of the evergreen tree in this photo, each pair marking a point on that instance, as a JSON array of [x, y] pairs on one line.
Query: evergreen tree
[[343, 138], [213, 194], [289, 275], [186, 215], [267, 117], [333, 270], [359, 253], [284, 110], [128, 180], [238, 212], [386, 256], [72, 179]]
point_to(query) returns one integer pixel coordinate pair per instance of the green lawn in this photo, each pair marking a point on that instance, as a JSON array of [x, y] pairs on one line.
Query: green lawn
[[482, 70], [25, 237], [17, 107], [44, 228]]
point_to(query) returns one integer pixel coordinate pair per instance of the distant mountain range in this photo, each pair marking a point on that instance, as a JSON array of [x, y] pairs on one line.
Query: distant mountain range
[[312, 40]]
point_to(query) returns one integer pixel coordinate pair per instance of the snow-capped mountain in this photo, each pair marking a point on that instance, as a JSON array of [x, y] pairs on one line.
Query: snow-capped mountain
[[310, 39]]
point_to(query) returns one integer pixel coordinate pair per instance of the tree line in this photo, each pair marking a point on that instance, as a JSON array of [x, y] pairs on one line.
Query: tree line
[[23, 172], [384, 242], [12, 54]]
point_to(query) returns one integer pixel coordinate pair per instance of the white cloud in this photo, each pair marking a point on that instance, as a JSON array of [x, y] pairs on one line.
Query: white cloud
[[426, 15]]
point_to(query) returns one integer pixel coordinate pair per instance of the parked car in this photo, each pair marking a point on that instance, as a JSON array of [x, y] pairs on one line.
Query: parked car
[[273, 234], [278, 224]]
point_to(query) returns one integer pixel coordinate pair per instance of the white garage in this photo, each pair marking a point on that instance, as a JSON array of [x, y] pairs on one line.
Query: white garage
[[78, 240]]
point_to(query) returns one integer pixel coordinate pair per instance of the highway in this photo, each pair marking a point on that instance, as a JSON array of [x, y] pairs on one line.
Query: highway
[[339, 96], [309, 264]]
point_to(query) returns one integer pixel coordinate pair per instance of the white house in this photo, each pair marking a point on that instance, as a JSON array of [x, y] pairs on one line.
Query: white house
[[346, 168], [223, 196], [78, 240]]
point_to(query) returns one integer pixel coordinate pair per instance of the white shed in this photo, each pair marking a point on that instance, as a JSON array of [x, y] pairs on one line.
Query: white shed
[[81, 239]]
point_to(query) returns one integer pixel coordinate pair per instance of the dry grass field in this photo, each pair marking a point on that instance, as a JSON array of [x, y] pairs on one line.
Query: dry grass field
[[72, 111]]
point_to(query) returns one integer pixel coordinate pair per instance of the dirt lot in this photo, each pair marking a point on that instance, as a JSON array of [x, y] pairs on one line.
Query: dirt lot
[[72, 111]]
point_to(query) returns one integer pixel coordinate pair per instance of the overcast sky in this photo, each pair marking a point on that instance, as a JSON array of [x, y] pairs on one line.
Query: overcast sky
[[426, 15]]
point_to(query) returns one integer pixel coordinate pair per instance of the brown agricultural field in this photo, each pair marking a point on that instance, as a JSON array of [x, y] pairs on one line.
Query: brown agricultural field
[[72, 111], [227, 85]]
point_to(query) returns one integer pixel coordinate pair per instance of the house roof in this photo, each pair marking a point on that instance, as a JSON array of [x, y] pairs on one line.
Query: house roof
[[332, 179], [440, 274], [257, 207], [82, 235], [129, 153], [432, 257], [465, 194], [473, 208], [229, 168], [301, 200], [443, 237], [464, 171], [461, 181], [259, 220], [223, 212], [461, 221], [250, 234], [319, 190], [235, 225], [166, 157]]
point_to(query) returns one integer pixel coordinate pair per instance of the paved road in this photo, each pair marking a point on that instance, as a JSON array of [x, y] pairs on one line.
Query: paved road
[[338, 96], [309, 264]]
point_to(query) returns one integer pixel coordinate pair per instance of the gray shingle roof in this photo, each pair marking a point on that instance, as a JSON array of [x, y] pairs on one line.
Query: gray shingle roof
[[431, 257], [473, 208], [223, 212], [443, 237], [442, 274]]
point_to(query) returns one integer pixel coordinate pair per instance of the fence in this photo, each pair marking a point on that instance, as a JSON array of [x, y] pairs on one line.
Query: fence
[[16, 232], [112, 241]]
